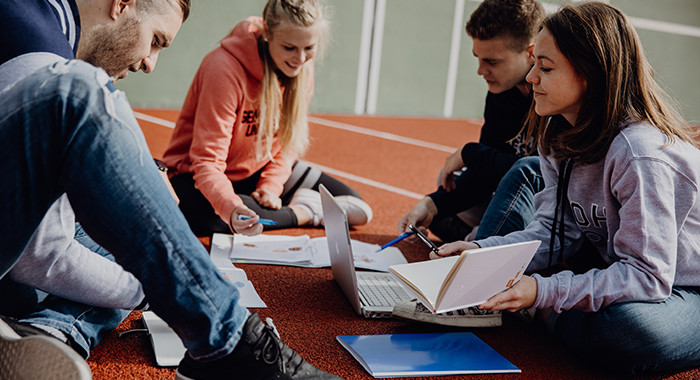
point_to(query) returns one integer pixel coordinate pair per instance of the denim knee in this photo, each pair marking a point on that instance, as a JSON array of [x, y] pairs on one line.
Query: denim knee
[[636, 337], [527, 168]]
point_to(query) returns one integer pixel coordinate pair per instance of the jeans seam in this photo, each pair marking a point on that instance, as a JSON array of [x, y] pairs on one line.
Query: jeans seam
[[509, 209]]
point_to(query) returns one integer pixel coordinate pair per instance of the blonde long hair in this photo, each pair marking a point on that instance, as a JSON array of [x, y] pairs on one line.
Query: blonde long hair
[[605, 50], [285, 114]]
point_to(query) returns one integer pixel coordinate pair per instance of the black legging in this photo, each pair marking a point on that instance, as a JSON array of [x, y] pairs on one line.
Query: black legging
[[204, 221]]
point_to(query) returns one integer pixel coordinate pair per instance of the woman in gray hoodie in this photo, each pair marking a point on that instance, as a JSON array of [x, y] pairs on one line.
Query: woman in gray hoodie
[[622, 179]]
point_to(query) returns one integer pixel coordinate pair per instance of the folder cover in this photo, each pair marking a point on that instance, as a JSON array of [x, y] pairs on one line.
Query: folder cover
[[435, 354]]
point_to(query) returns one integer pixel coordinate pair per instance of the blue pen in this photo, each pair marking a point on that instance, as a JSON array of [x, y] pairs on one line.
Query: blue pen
[[264, 222], [398, 239]]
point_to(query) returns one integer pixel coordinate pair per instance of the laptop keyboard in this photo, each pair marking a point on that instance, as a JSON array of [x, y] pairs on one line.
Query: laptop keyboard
[[380, 291]]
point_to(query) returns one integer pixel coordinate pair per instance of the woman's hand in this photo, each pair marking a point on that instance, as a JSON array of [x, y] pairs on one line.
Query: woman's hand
[[266, 199], [248, 227], [454, 248], [521, 296]]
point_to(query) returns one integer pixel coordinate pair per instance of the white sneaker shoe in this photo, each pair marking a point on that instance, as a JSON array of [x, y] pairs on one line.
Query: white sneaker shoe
[[357, 210], [38, 357]]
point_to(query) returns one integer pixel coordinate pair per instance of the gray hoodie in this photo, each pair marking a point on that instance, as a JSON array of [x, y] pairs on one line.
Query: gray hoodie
[[56, 263], [638, 206]]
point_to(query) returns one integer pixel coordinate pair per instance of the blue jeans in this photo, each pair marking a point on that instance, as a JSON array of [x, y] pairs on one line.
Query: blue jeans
[[86, 325], [636, 337], [512, 207], [67, 129]]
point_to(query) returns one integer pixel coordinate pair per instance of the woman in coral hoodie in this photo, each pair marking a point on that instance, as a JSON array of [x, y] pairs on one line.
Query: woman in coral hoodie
[[244, 124]]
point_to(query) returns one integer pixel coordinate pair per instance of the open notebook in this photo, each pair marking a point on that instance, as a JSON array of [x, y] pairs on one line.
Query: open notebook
[[466, 280]]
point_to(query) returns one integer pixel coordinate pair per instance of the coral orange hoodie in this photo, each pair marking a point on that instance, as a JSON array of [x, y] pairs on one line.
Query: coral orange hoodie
[[214, 136]]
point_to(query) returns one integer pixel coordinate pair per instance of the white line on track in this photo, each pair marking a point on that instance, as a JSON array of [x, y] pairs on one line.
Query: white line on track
[[381, 135], [154, 120]]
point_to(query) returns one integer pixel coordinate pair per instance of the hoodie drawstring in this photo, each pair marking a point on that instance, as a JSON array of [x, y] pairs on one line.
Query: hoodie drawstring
[[562, 202]]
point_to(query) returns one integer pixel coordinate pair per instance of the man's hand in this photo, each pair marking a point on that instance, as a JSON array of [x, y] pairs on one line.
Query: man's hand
[[248, 227], [267, 199], [521, 296], [454, 248], [453, 162], [421, 215]]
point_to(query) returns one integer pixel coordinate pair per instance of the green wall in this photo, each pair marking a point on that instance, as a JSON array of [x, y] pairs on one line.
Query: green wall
[[414, 57], [209, 21]]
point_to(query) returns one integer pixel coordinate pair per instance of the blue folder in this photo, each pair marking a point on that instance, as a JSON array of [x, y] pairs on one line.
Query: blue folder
[[403, 355]]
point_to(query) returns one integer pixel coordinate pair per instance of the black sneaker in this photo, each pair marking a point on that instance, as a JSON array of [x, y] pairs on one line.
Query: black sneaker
[[258, 355], [29, 353]]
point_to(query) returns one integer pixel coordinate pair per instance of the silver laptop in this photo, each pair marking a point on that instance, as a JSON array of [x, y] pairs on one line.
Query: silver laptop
[[371, 294]]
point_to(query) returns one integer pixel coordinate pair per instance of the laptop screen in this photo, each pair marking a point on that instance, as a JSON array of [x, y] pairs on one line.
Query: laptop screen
[[339, 246]]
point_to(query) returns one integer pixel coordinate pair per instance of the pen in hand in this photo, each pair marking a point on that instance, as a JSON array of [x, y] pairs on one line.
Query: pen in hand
[[264, 222], [424, 238], [398, 239]]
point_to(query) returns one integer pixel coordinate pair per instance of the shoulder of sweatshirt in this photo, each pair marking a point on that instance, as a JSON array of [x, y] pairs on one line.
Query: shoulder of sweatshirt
[[643, 141], [221, 73]]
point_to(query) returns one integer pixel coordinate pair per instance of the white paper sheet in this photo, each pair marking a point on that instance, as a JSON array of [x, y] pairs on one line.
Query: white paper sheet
[[305, 252], [220, 248]]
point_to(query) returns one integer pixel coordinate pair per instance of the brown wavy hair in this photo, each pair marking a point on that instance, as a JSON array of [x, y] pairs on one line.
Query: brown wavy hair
[[605, 50]]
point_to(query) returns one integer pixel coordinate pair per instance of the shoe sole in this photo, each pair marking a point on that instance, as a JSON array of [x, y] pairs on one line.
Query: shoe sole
[[38, 357], [491, 320]]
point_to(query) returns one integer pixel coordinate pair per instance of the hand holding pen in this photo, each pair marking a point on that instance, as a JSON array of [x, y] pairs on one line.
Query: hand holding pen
[[424, 238], [244, 221]]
